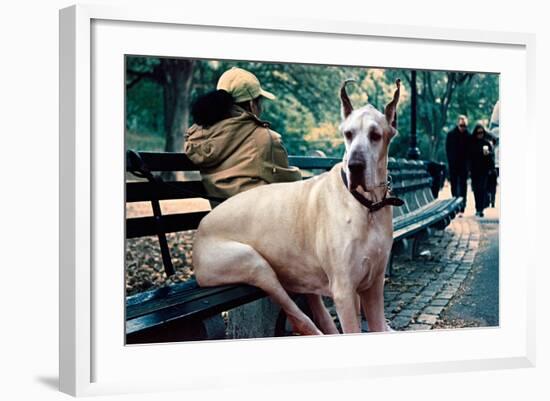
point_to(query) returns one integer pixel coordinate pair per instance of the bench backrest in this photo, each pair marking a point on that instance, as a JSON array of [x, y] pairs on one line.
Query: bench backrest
[[410, 180], [412, 183], [138, 191]]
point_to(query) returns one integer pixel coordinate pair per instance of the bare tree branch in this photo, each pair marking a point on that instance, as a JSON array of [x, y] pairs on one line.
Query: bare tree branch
[[156, 75], [407, 78], [430, 86]]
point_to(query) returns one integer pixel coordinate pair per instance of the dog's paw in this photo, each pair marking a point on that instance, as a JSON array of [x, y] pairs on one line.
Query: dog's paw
[[388, 327]]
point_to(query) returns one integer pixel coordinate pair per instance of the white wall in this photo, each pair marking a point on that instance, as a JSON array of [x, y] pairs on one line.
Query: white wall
[[28, 212]]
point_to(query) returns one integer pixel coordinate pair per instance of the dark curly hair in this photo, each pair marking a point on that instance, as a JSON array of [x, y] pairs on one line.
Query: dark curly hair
[[211, 108], [479, 127]]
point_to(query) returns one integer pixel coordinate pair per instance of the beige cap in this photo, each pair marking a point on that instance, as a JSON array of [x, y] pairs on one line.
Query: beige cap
[[242, 85]]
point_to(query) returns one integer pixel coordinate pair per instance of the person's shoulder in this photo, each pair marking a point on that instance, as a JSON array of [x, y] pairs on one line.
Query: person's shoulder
[[265, 136], [273, 132]]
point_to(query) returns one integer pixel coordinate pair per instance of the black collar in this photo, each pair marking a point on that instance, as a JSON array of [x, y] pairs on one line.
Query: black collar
[[373, 206]]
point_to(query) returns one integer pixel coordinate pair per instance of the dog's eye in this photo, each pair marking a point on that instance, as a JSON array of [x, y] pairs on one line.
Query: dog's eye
[[348, 135], [375, 136]]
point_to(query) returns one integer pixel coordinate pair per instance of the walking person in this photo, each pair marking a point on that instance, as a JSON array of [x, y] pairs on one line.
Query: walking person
[[494, 131], [481, 163], [457, 156], [493, 173]]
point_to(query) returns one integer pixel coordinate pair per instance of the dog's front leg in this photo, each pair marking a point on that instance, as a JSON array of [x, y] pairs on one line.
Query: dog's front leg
[[344, 296], [373, 305], [320, 314]]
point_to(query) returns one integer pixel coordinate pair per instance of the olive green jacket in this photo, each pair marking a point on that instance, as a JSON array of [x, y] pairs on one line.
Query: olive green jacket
[[237, 154]]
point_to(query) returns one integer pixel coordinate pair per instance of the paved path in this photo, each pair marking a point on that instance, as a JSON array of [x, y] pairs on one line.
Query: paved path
[[477, 301], [419, 290], [454, 282]]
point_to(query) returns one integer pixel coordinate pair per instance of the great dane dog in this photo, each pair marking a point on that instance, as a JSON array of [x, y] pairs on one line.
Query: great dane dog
[[330, 235]]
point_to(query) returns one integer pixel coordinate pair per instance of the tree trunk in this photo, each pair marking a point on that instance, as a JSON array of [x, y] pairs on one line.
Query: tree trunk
[[177, 95], [176, 82]]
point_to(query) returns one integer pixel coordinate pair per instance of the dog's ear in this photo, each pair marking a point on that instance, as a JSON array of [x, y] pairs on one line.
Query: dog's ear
[[391, 108], [347, 107]]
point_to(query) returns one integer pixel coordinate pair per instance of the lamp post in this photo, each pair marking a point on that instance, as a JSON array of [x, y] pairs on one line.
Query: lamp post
[[414, 152]]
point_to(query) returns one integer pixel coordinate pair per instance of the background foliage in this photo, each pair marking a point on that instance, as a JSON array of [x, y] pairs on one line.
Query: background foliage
[[307, 109]]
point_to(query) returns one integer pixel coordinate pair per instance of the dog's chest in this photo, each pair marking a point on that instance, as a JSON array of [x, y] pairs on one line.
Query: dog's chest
[[368, 253], [374, 246]]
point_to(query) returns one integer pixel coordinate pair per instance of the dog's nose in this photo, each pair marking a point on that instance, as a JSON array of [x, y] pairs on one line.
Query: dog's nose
[[356, 166]]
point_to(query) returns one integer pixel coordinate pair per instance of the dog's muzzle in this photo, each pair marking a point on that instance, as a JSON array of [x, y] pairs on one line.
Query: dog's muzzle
[[356, 174]]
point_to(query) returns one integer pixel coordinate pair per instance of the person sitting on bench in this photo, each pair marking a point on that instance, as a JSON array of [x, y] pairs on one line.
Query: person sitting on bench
[[234, 149]]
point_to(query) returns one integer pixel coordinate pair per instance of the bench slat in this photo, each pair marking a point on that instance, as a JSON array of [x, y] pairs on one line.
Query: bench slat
[[160, 293], [199, 308], [180, 162], [167, 161], [144, 226], [312, 163], [413, 224], [427, 210], [143, 191], [184, 295], [401, 188]]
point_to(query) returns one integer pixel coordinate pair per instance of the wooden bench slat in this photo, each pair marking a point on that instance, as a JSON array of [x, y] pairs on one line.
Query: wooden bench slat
[[144, 226], [313, 163], [401, 176], [401, 188], [182, 296], [180, 162], [427, 210], [166, 161], [200, 308], [143, 191], [160, 293], [412, 224], [419, 225], [419, 214]]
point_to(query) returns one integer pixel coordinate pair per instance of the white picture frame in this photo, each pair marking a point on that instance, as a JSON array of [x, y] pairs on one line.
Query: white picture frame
[[93, 358]]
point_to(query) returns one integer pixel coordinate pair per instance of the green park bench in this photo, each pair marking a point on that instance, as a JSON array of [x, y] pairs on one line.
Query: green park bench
[[185, 311]]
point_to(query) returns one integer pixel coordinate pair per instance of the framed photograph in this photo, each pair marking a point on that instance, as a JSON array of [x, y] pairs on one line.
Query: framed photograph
[[135, 129]]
